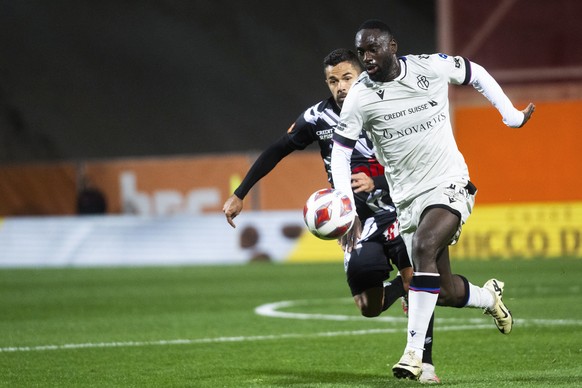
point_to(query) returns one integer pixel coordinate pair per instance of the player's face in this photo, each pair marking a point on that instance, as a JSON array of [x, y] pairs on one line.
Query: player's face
[[339, 80], [377, 51]]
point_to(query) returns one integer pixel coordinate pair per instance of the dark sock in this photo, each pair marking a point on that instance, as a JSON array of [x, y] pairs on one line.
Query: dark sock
[[427, 354], [392, 292]]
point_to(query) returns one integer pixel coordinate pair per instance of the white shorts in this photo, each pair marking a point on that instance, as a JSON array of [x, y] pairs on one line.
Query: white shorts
[[458, 197]]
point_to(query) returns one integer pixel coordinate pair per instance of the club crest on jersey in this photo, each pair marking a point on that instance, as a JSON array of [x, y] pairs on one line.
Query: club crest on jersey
[[422, 82], [380, 94]]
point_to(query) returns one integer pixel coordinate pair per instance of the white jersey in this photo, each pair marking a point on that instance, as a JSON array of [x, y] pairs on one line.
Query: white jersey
[[409, 122]]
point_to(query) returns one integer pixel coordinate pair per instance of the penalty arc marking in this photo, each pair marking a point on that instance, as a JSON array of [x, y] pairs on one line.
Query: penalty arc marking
[[274, 310]]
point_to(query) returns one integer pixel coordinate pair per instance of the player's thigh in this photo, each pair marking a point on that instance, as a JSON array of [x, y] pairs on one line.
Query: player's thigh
[[396, 251], [438, 225]]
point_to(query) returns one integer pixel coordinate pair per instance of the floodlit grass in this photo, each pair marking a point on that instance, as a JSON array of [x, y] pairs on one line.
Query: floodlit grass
[[197, 327]]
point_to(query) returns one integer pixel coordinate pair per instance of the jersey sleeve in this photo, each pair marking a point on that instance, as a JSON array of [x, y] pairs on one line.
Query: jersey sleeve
[[351, 119], [303, 131], [345, 137], [454, 68], [340, 169], [299, 135], [460, 71], [266, 162], [483, 82]]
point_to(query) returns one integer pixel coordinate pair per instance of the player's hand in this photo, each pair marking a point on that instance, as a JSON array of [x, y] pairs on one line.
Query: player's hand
[[348, 241], [362, 182], [527, 112], [232, 208]]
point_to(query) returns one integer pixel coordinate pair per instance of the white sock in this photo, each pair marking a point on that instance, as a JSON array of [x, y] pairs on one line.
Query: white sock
[[480, 297], [421, 305]]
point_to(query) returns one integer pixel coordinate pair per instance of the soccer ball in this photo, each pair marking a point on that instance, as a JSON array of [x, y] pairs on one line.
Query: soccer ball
[[329, 214]]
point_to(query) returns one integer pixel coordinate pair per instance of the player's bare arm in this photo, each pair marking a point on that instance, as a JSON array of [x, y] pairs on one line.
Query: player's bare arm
[[362, 183], [232, 208], [527, 112]]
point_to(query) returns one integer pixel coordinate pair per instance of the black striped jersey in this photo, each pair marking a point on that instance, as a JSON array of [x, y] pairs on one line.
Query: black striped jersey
[[317, 124]]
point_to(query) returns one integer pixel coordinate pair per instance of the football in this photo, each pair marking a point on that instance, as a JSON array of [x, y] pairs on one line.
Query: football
[[329, 214]]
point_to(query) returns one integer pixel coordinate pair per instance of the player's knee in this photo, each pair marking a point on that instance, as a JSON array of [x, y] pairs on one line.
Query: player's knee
[[370, 311], [423, 250]]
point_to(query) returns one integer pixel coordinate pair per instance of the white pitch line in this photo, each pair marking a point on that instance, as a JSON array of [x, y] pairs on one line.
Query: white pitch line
[[271, 310], [220, 339]]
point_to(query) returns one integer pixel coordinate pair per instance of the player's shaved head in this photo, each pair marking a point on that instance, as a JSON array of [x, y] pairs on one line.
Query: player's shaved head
[[374, 24]]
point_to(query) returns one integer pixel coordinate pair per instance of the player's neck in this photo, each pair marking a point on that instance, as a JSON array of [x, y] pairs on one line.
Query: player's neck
[[394, 71]]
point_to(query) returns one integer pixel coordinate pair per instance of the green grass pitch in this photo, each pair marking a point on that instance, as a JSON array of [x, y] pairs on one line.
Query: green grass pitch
[[197, 327]]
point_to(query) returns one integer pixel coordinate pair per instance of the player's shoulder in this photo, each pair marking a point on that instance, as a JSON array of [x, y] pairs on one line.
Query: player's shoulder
[[363, 83], [438, 59], [427, 58], [438, 64], [315, 114], [322, 106], [424, 60]]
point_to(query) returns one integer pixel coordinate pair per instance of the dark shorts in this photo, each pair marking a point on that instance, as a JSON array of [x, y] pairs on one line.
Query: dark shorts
[[370, 264]]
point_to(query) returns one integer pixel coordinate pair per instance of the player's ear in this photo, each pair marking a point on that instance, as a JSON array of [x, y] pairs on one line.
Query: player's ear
[[393, 46]]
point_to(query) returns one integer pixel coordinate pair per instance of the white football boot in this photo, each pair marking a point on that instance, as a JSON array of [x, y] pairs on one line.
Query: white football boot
[[501, 314], [428, 375], [409, 366]]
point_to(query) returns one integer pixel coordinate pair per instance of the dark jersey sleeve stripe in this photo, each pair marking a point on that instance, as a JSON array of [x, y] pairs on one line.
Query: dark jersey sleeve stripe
[[467, 71], [349, 143]]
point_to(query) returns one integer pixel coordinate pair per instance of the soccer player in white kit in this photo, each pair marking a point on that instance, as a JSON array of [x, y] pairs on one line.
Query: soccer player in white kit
[[402, 104]]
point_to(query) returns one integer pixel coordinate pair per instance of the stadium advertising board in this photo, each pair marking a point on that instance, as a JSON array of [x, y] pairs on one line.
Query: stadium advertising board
[[527, 231], [529, 203], [549, 230], [493, 232]]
